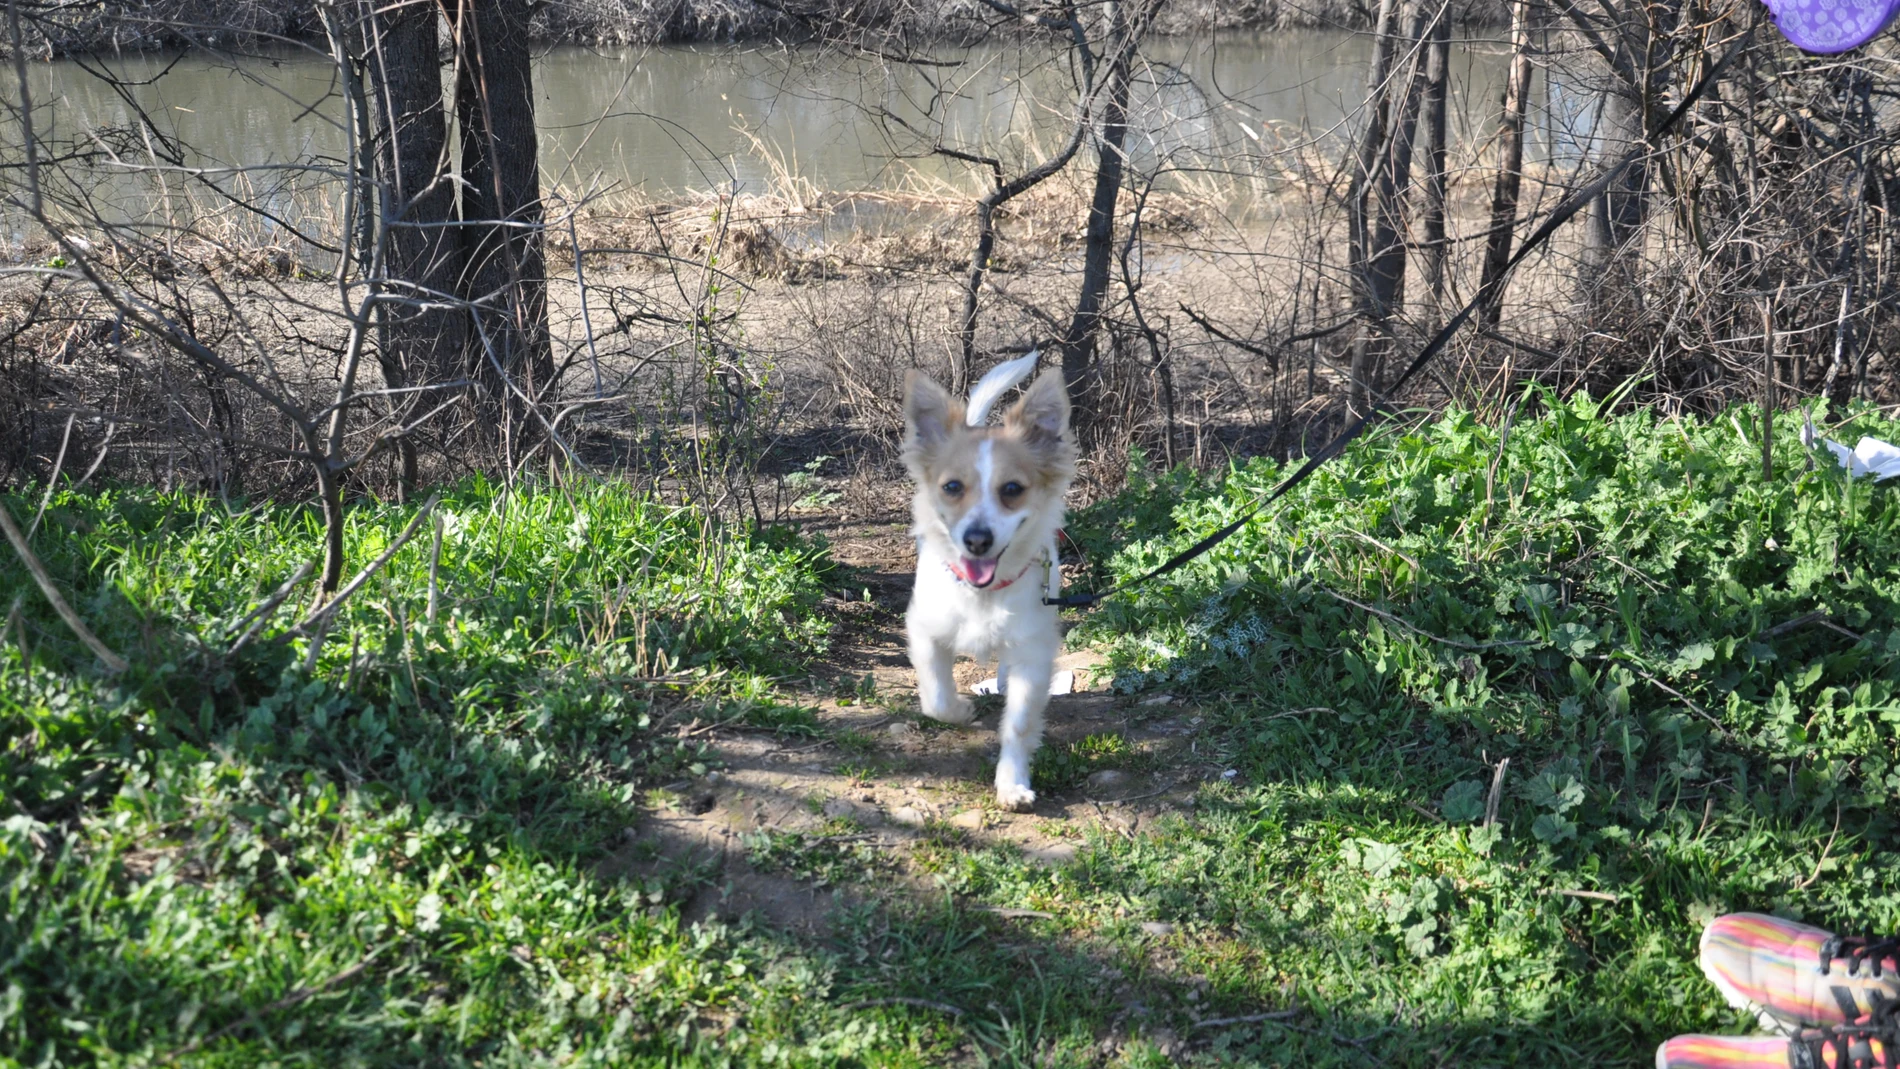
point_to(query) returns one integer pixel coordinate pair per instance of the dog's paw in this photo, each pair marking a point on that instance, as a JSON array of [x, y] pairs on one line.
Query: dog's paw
[[959, 710], [1015, 797]]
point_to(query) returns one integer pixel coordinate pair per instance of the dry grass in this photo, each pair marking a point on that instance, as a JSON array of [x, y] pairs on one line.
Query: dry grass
[[819, 235]]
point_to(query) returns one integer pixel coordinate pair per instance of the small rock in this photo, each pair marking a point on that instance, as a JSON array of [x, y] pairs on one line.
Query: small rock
[[969, 819], [1230, 774], [1157, 927], [916, 783], [1159, 699], [1108, 779], [1051, 856], [845, 807], [901, 730], [713, 777], [908, 816]]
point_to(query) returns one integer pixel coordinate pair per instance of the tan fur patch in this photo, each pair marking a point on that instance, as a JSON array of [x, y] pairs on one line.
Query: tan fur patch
[[1029, 450]]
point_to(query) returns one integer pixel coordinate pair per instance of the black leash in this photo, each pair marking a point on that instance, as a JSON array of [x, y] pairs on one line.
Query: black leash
[[1562, 214]]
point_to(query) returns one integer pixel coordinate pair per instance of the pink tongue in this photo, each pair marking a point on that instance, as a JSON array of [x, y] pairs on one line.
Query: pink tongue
[[979, 572]]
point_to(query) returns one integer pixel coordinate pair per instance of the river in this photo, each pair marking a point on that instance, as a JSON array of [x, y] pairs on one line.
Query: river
[[664, 120]]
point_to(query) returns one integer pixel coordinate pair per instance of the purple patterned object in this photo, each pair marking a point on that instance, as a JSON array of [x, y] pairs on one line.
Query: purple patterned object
[[1829, 26]]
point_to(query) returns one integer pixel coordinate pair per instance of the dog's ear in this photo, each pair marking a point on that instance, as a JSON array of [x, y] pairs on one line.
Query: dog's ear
[[1041, 417], [929, 413]]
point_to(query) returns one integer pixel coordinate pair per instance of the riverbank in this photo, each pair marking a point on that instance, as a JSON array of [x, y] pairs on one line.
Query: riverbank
[[149, 24]]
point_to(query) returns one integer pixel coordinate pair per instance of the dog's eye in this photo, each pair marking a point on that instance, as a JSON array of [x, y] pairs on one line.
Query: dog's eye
[[1012, 489], [953, 488]]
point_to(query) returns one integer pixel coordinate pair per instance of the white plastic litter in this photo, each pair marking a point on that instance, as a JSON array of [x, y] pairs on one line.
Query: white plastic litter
[[1062, 682], [1870, 456]]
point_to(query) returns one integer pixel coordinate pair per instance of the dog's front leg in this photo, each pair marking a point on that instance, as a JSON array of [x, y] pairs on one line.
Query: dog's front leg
[[937, 693], [1021, 731]]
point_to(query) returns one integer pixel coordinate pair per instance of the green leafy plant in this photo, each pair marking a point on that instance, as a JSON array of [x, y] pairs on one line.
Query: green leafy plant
[[421, 800], [808, 486], [1064, 766]]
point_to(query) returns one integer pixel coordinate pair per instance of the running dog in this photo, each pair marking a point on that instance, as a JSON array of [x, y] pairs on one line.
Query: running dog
[[988, 504]]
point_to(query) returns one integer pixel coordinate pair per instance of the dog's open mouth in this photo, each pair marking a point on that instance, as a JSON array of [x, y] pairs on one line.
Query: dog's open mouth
[[978, 573]]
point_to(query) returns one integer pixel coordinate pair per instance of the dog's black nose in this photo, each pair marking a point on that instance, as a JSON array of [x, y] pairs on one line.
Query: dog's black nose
[[978, 541]]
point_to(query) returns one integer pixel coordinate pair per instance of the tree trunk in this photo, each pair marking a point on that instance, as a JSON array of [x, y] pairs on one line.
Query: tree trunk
[[972, 285], [1504, 194], [1358, 202], [1380, 184], [410, 121], [501, 238], [1634, 86], [1613, 218], [1078, 347], [1432, 122]]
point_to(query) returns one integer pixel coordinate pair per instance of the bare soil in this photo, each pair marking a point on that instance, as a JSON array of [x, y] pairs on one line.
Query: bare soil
[[911, 784]]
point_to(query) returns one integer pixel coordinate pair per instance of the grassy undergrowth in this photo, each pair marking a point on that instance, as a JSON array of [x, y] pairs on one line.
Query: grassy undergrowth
[[1691, 671], [389, 854], [385, 853]]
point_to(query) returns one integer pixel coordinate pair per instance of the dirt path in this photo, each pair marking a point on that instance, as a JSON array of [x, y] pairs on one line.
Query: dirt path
[[885, 785]]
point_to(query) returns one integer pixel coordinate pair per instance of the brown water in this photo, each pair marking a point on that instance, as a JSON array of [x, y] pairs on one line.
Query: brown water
[[661, 120]]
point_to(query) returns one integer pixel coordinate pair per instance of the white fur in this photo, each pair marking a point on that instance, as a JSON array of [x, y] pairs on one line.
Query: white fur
[[989, 511], [948, 616], [992, 386]]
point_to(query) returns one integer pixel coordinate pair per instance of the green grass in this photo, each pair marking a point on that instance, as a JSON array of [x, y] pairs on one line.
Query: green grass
[[201, 851], [1066, 766], [392, 858], [1598, 599]]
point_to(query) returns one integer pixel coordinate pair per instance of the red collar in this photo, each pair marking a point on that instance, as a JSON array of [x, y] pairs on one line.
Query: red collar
[[965, 580]]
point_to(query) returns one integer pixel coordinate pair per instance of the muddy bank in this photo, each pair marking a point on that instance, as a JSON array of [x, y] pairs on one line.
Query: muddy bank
[[147, 24]]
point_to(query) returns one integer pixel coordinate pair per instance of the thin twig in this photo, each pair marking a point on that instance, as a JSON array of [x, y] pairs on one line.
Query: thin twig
[[1825, 850], [1163, 789], [865, 1004], [1789, 625], [58, 463], [1650, 678], [785, 750], [1399, 553], [1252, 1018], [318, 637], [258, 616], [330, 607], [1839, 630], [435, 563], [113, 661], [1497, 792], [1598, 896], [1309, 710], [105, 444], [292, 999], [1389, 618], [1013, 913]]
